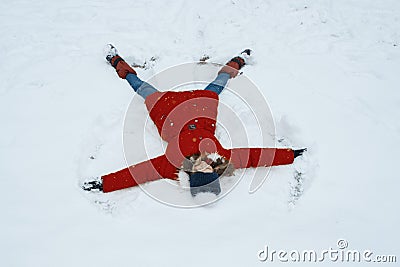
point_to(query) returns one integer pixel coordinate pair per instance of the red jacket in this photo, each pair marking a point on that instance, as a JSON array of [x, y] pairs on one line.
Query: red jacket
[[187, 121]]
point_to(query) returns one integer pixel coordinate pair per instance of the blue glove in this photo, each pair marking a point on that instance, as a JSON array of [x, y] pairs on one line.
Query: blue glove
[[299, 152]]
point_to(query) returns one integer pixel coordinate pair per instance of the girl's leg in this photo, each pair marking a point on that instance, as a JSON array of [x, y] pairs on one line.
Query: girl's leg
[[219, 83], [126, 72], [230, 70], [140, 87]]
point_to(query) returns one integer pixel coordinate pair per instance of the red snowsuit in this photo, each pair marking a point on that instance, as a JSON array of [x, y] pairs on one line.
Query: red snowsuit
[[187, 121]]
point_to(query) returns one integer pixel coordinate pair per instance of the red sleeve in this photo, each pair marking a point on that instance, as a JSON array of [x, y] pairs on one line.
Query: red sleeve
[[258, 157], [150, 170]]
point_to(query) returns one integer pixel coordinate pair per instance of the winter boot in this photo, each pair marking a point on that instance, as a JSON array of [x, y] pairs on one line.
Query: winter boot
[[117, 61], [109, 52], [236, 63]]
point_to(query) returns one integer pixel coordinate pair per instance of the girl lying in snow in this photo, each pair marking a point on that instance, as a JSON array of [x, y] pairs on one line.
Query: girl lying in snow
[[187, 121]]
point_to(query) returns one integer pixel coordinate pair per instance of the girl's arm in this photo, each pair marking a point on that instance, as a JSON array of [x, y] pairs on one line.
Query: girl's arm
[[150, 170], [260, 157]]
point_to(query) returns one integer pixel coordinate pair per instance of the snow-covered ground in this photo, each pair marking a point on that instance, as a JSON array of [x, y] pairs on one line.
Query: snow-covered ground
[[329, 70]]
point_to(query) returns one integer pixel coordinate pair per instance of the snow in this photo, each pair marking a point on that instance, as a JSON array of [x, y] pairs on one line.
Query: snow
[[329, 70]]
